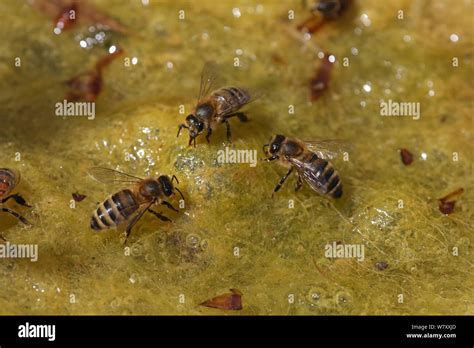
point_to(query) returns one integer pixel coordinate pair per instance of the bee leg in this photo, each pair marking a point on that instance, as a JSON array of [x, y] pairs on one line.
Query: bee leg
[[282, 181], [18, 199], [15, 214], [131, 224], [229, 135], [299, 183], [168, 204], [240, 115], [209, 132], [159, 216]]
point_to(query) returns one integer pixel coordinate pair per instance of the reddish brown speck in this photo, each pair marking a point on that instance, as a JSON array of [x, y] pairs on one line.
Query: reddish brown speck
[[78, 197], [320, 82], [407, 156], [381, 265], [230, 301], [446, 204]]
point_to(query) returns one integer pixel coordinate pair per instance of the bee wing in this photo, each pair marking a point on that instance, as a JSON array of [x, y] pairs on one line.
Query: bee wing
[[229, 107], [307, 173], [111, 176], [329, 148], [209, 75], [137, 215]]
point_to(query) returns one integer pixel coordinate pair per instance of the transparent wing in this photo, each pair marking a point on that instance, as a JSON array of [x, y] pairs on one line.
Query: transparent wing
[[136, 216], [111, 176], [307, 173], [228, 108], [329, 148], [209, 75]]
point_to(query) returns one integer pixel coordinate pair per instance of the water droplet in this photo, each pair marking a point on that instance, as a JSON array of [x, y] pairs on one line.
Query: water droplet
[[364, 18], [236, 12], [454, 37]]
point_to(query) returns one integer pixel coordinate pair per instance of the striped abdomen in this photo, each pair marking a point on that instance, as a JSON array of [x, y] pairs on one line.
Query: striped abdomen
[[114, 210], [230, 99], [8, 180], [328, 178]]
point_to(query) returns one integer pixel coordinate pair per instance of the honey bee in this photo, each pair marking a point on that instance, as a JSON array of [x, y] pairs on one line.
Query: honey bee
[[311, 162], [9, 179], [127, 206], [215, 107]]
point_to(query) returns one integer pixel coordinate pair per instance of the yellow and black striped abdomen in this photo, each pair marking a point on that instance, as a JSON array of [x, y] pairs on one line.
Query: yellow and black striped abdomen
[[230, 99], [328, 177], [114, 210]]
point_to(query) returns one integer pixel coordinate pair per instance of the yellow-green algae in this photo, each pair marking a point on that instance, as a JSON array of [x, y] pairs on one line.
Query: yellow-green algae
[[228, 206]]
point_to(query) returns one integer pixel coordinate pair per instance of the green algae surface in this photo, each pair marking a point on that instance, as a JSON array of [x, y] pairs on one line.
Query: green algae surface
[[231, 232]]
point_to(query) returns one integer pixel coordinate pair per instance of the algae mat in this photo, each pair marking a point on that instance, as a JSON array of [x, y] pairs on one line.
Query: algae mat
[[231, 232]]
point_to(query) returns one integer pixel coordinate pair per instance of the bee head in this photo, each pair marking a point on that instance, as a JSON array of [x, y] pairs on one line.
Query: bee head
[[195, 126], [166, 185], [275, 143]]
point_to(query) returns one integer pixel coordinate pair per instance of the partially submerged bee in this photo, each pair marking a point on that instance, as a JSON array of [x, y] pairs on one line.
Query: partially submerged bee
[[216, 107], [311, 162], [9, 179], [128, 205]]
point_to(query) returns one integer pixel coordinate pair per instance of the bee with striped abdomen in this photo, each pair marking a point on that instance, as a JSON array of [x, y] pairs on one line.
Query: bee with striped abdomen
[[214, 108], [310, 159], [9, 179], [127, 206]]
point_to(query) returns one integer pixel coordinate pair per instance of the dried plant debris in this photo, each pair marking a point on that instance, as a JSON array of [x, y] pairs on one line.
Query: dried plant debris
[[381, 265], [66, 13], [229, 301], [87, 86], [406, 156], [78, 197], [446, 203], [320, 82]]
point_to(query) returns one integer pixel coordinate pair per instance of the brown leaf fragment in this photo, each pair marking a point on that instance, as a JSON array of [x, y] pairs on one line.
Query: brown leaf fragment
[[406, 156], [78, 197], [88, 85], [320, 82], [311, 25], [446, 204], [66, 13], [230, 301]]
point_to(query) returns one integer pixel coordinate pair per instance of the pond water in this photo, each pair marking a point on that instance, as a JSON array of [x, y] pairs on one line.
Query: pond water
[[231, 232]]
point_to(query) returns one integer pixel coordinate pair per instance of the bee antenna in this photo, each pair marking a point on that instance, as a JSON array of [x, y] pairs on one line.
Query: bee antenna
[[181, 126], [175, 178], [181, 194]]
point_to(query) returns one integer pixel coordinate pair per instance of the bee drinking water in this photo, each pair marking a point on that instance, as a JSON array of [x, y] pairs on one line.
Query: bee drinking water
[[214, 108], [127, 206], [310, 159]]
